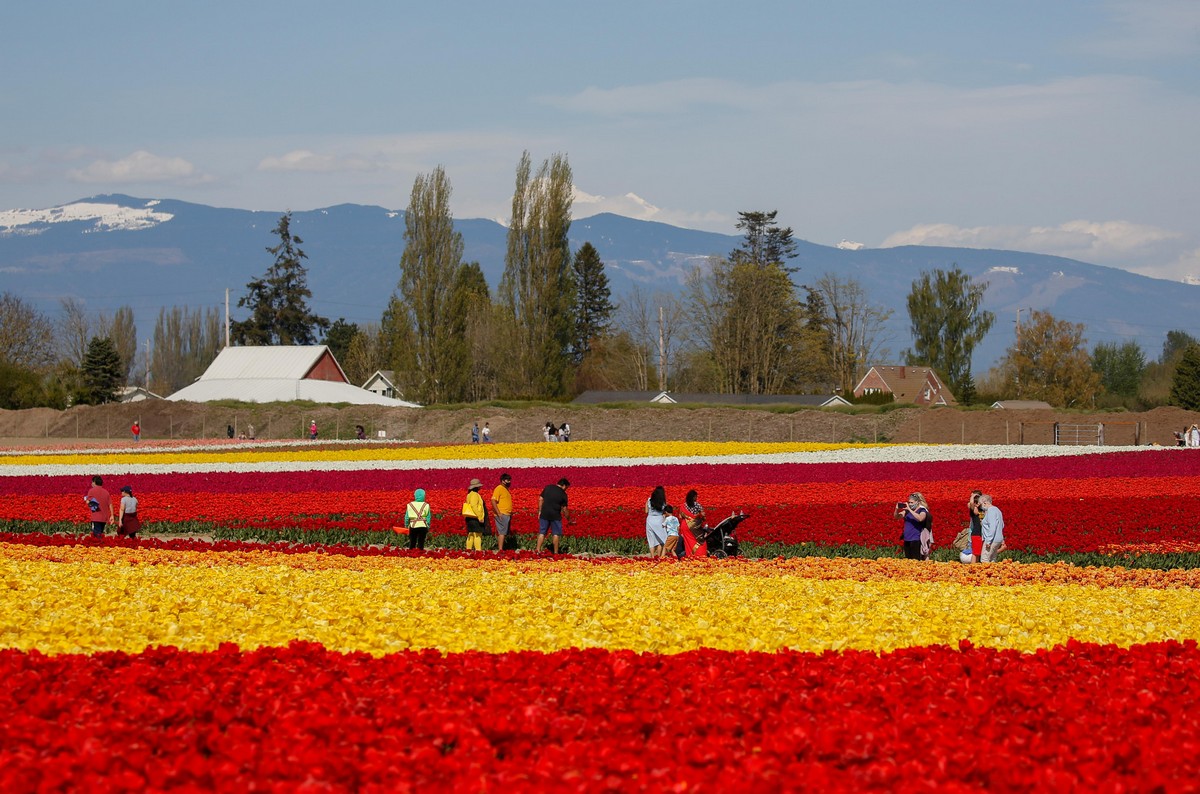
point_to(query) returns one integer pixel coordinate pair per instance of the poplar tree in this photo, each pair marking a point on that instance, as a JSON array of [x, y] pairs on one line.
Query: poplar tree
[[184, 343], [947, 323], [278, 301], [432, 256], [538, 288], [594, 308]]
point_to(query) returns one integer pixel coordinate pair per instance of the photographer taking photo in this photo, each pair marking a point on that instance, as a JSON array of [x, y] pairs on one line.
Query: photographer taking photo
[[915, 513]]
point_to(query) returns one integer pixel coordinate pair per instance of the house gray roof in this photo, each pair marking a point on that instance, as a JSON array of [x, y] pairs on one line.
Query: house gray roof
[[1022, 405], [813, 400]]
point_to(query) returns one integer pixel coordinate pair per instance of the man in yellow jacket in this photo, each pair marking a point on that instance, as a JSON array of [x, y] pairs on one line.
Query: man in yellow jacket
[[475, 516]]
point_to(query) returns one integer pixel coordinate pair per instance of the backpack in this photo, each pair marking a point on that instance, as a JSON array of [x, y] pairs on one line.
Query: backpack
[[94, 504]]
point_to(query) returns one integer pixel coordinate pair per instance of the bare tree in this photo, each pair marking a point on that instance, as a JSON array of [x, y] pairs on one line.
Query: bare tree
[[120, 328], [26, 335], [74, 331], [856, 328], [748, 317]]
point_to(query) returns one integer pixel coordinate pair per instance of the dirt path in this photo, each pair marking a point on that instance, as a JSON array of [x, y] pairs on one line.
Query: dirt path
[[162, 420]]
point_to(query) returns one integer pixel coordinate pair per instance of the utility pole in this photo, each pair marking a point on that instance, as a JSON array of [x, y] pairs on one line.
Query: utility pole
[[662, 354], [227, 316]]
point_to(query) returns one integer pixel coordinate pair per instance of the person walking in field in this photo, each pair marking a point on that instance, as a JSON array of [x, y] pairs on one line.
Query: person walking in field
[[312, 430], [128, 524], [417, 518], [99, 507], [502, 508], [552, 513], [136, 429], [474, 516]]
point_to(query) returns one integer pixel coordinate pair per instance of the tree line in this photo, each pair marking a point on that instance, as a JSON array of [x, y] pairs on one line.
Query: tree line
[[741, 323]]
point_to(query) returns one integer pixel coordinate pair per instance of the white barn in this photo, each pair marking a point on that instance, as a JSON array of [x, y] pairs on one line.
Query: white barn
[[279, 374]]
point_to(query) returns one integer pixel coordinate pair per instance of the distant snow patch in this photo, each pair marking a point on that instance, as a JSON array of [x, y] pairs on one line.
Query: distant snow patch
[[1016, 271], [106, 217], [850, 245]]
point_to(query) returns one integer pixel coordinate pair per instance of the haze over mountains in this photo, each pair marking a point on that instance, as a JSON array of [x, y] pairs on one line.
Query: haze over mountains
[[116, 250]]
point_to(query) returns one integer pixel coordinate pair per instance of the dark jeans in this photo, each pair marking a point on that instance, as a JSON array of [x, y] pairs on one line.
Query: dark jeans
[[98, 528], [416, 538], [912, 549]]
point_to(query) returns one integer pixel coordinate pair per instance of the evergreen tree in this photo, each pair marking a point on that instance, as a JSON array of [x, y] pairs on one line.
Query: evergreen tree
[[764, 243], [967, 393], [538, 287], [432, 256], [338, 338], [1185, 386], [594, 308], [101, 372], [278, 301], [947, 323]]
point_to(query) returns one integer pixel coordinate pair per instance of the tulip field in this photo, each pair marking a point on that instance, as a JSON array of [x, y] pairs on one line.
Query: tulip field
[[271, 633]]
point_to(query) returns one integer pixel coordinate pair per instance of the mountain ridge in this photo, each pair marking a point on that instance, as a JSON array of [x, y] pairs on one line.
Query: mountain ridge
[[354, 251]]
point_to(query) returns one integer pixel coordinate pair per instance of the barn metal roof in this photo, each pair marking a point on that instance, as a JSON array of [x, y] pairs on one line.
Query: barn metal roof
[[277, 361], [268, 390]]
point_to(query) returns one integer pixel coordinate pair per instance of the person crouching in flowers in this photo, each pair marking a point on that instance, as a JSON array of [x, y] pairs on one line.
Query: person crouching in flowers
[[474, 516], [670, 525], [128, 523], [416, 518], [914, 512]]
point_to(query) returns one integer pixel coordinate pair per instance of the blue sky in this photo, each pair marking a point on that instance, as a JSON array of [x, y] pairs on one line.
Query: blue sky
[[1059, 127]]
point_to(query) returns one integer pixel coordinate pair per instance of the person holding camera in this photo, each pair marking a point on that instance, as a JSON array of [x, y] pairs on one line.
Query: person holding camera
[[915, 513]]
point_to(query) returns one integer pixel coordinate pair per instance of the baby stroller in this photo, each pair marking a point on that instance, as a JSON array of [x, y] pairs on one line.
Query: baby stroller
[[720, 540]]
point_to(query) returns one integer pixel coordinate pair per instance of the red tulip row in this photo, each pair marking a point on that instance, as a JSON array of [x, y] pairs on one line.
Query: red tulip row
[[1075, 718], [1163, 463]]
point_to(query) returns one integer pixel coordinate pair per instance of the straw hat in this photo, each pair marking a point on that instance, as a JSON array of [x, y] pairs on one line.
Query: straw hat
[[475, 483]]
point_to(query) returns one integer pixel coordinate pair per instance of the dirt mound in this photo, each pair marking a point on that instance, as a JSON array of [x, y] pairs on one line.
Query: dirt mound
[[161, 419]]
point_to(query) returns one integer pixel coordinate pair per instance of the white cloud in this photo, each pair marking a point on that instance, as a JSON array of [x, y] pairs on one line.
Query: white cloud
[[307, 161], [141, 166], [1149, 29], [1100, 242], [630, 205]]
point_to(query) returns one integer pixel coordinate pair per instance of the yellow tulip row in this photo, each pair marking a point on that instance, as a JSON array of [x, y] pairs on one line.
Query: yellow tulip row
[[840, 568], [465, 452], [381, 605]]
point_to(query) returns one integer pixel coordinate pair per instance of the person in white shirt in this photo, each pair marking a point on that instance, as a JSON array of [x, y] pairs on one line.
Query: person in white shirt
[[993, 529]]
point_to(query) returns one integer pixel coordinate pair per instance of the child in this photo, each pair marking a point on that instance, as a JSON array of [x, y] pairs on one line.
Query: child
[[670, 523]]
